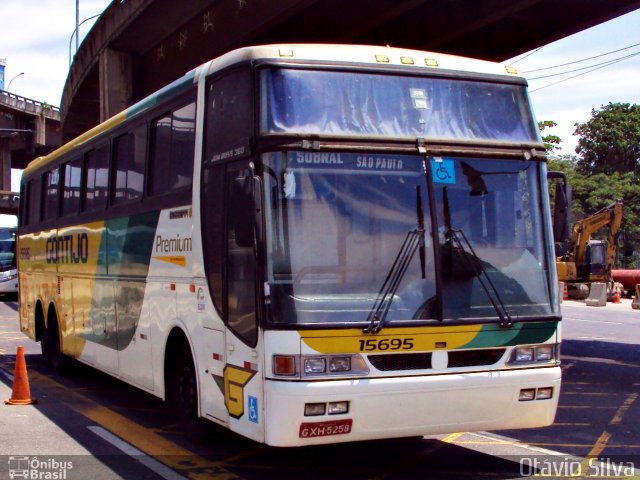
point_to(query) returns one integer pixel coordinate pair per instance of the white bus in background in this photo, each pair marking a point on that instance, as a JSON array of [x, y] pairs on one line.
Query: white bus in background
[[8, 262]]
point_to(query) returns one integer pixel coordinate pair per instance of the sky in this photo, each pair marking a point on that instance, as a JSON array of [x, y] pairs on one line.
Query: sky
[[567, 100], [36, 38]]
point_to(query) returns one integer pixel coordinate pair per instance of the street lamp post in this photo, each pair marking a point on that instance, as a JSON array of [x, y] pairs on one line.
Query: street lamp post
[[9, 84], [76, 33]]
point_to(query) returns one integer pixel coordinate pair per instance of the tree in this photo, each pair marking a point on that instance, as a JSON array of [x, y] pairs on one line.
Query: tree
[[593, 191], [551, 142], [610, 141]]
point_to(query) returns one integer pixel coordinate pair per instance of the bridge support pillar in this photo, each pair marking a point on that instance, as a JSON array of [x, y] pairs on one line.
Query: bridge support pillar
[[5, 165], [116, 82]]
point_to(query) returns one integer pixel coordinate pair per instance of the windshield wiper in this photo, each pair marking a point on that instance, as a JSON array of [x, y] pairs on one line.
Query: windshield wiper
[[413, 242], [475, 264]]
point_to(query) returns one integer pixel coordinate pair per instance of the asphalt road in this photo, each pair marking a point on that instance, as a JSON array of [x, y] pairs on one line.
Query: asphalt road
[[104, 429]]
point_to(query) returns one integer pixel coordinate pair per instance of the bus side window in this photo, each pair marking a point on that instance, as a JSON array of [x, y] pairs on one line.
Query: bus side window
[[213, 232], [96, 179], [128, 161], [71, 188], [50, 187], [172, 147], [33, 198], [229, 116]]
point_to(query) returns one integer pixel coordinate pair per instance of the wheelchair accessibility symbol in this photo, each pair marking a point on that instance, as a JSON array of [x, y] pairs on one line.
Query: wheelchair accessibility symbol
[[253, 409], [443, 171]]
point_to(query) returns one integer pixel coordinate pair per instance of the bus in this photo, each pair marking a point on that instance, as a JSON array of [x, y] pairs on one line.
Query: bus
[[307, 244], [8, 262]]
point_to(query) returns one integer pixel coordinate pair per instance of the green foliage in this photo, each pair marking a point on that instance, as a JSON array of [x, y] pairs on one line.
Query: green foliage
[[610, 141], [551, 142]]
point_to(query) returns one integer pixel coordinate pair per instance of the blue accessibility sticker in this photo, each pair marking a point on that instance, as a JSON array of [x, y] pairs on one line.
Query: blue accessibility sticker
[[443, 170], [253, 409]]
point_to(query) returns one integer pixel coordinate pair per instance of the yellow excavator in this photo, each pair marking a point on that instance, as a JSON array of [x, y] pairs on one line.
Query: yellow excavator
[[581, 260]]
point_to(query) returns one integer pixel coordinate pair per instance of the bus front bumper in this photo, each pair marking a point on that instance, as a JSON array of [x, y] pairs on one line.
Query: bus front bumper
[[409, 406]]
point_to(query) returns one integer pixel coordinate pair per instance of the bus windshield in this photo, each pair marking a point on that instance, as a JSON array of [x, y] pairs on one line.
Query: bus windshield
[[338, 223], [393, 106]]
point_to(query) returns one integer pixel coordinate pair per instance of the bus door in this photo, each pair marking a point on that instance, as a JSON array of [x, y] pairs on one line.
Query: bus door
[[229, 248], [244, 367]]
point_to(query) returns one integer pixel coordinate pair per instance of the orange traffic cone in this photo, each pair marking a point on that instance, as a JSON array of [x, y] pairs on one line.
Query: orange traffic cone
[[20, 395], [616, 297]]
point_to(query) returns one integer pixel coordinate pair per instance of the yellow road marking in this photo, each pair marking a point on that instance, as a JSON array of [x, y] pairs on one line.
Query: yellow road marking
[[540, 444], [604, 438], [144, 439], [623, 408], [452, 438]]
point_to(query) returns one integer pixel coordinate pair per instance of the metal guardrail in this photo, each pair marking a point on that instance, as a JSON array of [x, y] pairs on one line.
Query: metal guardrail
[[29, 106]]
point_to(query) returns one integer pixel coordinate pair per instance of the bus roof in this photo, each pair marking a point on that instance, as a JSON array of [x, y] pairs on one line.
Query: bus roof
[[360, 54], [330, 53]]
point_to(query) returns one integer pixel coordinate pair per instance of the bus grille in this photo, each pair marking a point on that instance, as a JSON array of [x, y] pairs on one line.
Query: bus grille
[[401, 361], [422, 361], [475, 358]]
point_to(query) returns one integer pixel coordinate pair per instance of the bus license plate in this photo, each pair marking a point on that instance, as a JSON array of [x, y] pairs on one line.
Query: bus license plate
[[323, 429]]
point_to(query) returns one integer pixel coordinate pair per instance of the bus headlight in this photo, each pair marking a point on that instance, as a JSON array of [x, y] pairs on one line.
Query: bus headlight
[[319, 365], [6, 276], [545, 353], [315, 365], [339, 364], [533, 354]]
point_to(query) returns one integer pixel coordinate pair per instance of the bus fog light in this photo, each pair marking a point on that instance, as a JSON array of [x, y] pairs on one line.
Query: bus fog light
[[339, 364], [336, 408], [314, 409], [284, 365], [544, 393], [527, 394], [315, 365]]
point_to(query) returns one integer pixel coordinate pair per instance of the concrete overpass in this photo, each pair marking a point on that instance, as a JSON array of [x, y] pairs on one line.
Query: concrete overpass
[[137, 46], [28, 129]]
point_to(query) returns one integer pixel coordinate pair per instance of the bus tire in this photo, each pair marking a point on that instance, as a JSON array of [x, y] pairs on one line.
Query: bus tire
[[186, 397], [56, 359]]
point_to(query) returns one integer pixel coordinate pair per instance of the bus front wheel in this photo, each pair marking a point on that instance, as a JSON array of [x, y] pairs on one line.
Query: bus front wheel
[[186, 395]]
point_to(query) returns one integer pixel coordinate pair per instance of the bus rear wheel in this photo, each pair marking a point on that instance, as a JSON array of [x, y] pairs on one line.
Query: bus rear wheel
[[186, 395], [51, 347]]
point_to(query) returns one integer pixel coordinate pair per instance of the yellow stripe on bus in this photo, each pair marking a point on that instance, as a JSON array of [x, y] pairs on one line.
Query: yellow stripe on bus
[[390, 339]]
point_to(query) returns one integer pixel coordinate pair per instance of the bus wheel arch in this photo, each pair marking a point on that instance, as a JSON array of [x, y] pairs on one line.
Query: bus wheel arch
[[181, 385]]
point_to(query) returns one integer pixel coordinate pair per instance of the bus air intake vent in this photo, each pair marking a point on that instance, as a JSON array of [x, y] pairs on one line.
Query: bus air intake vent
[[475, 358], [401, 361]]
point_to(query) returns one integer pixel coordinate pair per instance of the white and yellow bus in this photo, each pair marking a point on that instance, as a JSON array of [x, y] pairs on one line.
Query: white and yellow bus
[[307, 244]]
